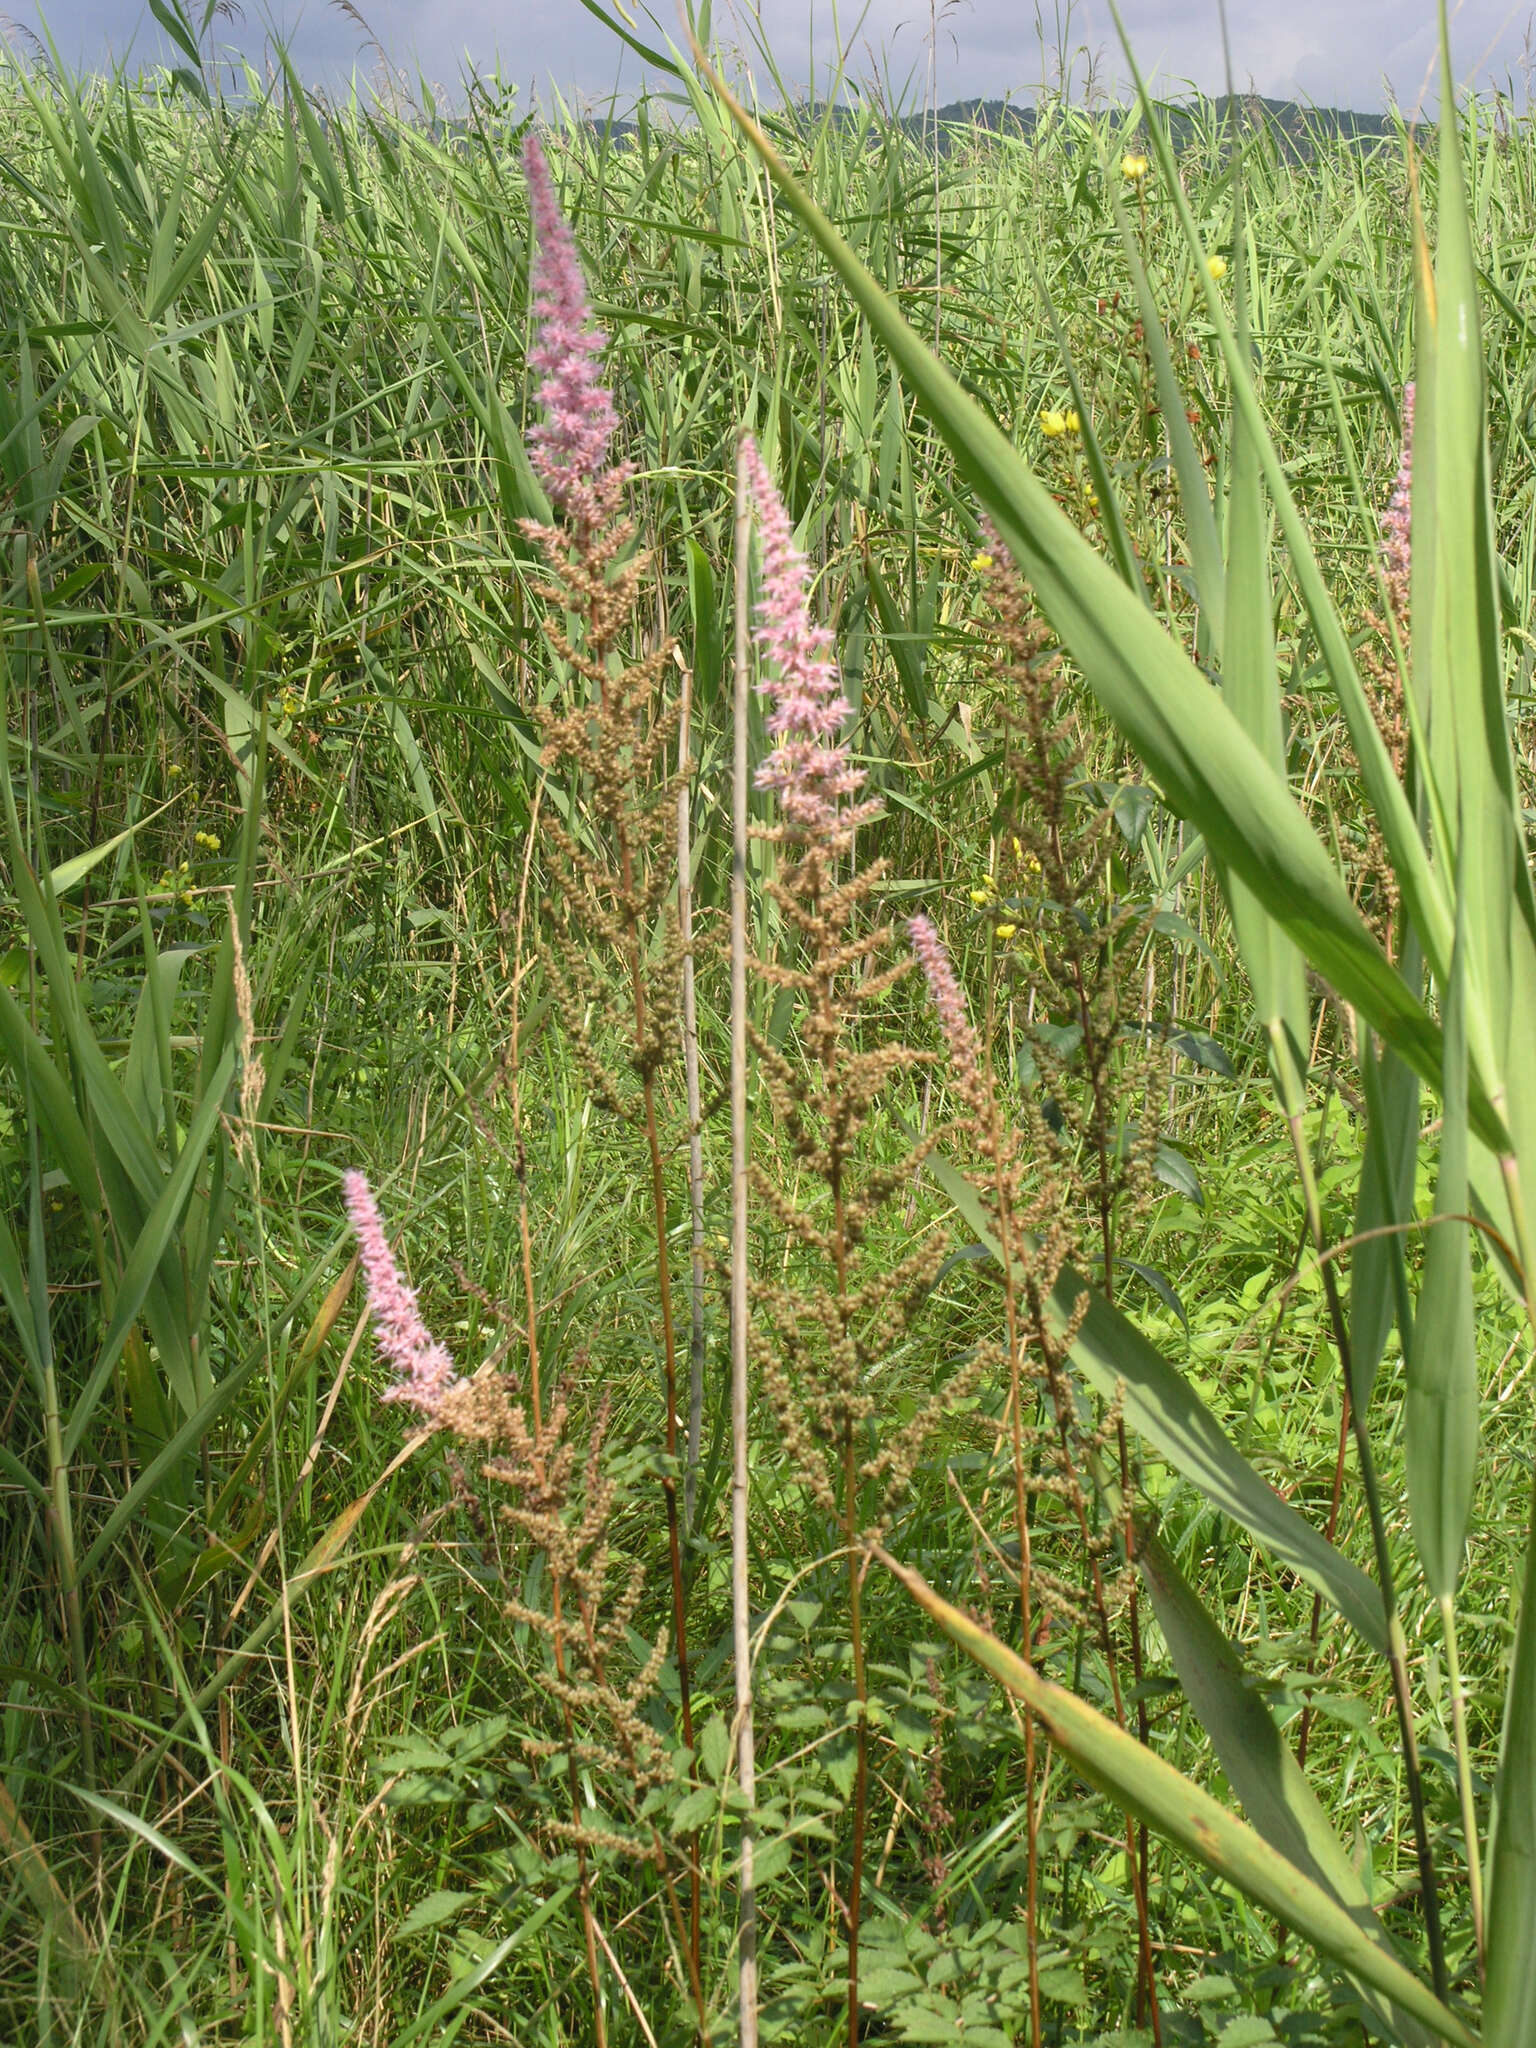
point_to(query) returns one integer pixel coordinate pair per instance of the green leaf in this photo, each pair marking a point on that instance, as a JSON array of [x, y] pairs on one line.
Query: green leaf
[[1146, 1786], [1194, 492], [646, 50], [425, 2026], [144, 1261], [715, 1748], [695, 1809], [1250, 679], [1378, 1289], [1266, 1778], [432, 1911], [1440, 1411], [71, 872]]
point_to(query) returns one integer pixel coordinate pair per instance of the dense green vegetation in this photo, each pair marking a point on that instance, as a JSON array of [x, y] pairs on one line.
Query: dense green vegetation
[[276, 1762]]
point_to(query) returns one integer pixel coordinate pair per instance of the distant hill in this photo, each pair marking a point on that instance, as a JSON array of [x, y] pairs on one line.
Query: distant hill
[[1296, 128], [1294, 125]]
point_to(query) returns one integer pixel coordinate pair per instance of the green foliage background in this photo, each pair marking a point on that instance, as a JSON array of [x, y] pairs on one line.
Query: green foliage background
[[270, 657]]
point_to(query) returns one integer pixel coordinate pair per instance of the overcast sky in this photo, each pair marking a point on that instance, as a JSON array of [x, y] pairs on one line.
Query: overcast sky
[[1353, 53]]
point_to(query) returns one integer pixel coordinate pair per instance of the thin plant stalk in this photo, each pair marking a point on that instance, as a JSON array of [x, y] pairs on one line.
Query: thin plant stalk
[[1463, 1769], [1015, 1336], [525, 1244], [669, 1483], [1138, 1846], [695, 1119], [741, 1597], [61, 1511]]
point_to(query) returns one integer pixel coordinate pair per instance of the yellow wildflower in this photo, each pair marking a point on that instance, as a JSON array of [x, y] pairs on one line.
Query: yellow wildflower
[[210, 842], [1006, 931], [1216, 267], [1074, 424], [1134, 167], [981, 561], [175, 769], [1053, 424]]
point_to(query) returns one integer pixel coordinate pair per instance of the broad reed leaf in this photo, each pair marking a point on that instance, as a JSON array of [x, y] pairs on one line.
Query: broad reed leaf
[[1378, 1289], [1426, 899], [1270, 1785], [48, 1898], [1251, 688], [70, 873], [149, 1251], [1440, 1410], [1200, 528], [1148, 1787]]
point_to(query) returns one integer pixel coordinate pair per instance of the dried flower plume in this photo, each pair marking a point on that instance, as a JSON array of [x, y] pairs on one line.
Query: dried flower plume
[[948, 1000]]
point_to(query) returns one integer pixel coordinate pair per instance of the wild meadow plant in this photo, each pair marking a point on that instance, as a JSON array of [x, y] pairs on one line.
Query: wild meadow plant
[[613, 958], [616, 951], [1064, 1169], [824, 1333], [1048, 1176], [576, 1596], [1451, 823]]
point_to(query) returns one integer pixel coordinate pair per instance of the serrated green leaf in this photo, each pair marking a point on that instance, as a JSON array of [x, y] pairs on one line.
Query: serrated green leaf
[[433, 1910]]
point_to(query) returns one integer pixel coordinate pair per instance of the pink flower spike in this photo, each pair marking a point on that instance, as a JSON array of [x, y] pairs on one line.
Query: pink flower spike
[[568, 448], [1397, 520], [807, 770], [402, 1337], [948, 998]]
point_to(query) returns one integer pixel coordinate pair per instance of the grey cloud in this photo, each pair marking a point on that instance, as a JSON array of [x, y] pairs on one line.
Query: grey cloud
[[1351, 54]]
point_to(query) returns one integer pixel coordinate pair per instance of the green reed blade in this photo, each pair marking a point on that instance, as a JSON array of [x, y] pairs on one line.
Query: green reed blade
[[1440, 1411], [1270, 1785], [1148, 1787]]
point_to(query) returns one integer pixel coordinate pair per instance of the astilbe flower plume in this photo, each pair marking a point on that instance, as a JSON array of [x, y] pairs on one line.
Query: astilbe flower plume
[[808, 770], [615, 977], [425, 1368], [1397, 520], [948, 1002], [568, 446]]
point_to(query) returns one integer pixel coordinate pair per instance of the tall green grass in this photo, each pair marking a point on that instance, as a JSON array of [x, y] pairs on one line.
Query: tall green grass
[[261, 435]]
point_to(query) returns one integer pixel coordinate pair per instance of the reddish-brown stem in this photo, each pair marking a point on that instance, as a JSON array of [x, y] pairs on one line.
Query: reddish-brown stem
[[525, 1237], [1317, 1598], [669, 1487], [669, 1366], [861, 1695]]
